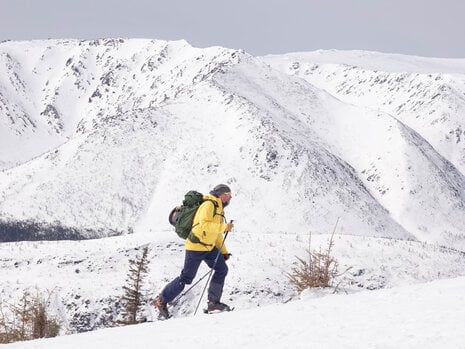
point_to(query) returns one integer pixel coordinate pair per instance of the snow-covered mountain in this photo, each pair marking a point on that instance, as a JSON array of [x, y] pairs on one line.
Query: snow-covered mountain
[[107, 135], [423, 96], [426, 94]]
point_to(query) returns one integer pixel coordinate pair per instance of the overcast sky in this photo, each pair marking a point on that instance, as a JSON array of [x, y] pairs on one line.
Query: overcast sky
[[434, 28]]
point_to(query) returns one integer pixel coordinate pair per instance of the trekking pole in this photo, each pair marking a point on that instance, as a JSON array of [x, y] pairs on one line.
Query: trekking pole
[[211, 269], [176, 300]]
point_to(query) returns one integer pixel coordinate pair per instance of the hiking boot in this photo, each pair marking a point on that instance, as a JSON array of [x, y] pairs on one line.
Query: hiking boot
[[217, 307], [161, 307]]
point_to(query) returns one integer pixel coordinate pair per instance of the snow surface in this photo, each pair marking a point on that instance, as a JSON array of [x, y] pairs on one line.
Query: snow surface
[[429, 315], [390, 296]]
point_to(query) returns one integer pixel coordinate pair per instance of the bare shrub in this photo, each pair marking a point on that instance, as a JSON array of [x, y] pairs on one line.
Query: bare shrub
[[26, 320]]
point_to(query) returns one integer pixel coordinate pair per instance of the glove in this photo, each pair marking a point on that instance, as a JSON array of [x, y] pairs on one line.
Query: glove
[[226, 256], [229, 227]]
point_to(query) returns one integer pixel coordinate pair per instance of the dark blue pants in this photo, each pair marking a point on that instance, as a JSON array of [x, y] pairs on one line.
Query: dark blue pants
[[192, 262]]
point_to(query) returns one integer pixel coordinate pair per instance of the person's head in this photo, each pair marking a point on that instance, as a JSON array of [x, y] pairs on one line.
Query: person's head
[[223, 192]]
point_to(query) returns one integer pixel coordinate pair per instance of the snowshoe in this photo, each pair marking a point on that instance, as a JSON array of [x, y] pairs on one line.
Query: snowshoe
[[216, 307]]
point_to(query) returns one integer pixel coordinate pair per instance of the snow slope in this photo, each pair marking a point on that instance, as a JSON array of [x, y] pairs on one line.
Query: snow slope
[[421, 316], [426, 94], [86, 277]]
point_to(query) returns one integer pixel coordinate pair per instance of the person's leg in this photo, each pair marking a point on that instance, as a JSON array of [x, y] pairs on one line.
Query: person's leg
[[215, 289], [192, 262]]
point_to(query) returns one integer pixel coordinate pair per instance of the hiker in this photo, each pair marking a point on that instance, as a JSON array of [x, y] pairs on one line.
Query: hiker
[[203, 244]]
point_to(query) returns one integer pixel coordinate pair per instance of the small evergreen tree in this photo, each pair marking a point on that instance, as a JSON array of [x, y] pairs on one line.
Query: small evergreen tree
[[319, 270], [132, 298]]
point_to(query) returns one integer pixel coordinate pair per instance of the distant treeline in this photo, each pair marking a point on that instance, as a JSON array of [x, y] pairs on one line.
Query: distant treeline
[[29, 230]]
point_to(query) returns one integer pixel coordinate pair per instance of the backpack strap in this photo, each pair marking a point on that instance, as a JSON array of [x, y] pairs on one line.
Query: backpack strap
[[194, 238], [215, 207]]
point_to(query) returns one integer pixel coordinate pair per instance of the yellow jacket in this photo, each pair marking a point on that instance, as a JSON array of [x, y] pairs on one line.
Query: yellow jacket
[[208, 228]]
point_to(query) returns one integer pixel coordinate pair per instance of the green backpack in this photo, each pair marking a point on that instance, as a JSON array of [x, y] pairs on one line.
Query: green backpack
[[182, 217]]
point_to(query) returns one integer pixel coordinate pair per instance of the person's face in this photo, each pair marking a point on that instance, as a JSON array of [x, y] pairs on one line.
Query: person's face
[[225, 198]]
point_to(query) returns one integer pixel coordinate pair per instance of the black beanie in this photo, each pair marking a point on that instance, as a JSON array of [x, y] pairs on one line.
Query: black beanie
[[220, 189]]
